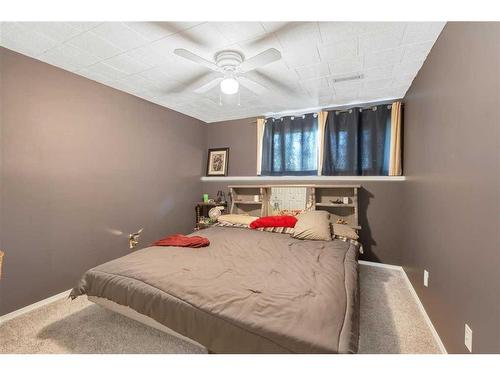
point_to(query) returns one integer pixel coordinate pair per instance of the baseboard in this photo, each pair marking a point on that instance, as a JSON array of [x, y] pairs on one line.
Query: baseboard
[[415, 296], [36, 305]]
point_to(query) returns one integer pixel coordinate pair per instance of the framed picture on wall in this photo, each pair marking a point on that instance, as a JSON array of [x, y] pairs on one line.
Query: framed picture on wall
[[217, 161]]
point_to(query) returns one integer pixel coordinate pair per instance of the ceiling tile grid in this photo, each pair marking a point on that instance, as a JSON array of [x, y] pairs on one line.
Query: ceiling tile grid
[[138, 58]]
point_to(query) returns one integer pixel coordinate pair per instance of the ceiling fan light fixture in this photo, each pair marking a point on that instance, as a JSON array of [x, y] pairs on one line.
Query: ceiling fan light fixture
[[229, 86]]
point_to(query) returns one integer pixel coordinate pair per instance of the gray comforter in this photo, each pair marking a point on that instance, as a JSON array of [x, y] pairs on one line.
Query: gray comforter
[[248, 292]]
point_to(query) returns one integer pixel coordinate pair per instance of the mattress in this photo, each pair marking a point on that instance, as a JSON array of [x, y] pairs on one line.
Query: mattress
[[248, 292]]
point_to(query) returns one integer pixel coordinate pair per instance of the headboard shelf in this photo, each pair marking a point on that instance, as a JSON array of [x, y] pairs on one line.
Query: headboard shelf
[[257, 200]]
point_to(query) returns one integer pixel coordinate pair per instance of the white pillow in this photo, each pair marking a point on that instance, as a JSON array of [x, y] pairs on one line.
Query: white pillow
[[236, 219]]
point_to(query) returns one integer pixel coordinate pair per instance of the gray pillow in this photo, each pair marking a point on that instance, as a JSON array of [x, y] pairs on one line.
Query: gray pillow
[[346, 231], [313, 225]]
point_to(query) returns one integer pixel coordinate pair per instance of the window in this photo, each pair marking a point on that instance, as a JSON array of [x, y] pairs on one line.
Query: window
[[290, 146], [353, 142]]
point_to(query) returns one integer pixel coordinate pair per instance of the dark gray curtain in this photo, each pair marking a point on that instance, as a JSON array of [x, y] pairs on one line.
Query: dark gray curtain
[[357, 142], [290, 146]]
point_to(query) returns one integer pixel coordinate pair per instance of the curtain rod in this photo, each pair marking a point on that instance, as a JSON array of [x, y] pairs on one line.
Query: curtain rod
[[343, 108]]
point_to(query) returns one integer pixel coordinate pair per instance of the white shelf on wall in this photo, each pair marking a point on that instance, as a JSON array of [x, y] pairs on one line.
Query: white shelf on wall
[[304, 178]]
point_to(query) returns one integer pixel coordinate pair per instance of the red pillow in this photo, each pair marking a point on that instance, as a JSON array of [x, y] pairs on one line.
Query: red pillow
[[274, 221]]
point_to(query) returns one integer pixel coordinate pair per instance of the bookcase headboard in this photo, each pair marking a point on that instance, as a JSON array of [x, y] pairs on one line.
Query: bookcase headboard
[[341, 201]]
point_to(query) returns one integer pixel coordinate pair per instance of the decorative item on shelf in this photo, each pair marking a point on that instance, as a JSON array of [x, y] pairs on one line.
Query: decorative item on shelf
[[336, 201], [133, 238], [221, 197], [341, 221], [345, 200], [215, 212], [203, 210], [217, 161], [205, 198]]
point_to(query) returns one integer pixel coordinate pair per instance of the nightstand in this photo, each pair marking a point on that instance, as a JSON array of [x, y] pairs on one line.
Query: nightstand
[[202, 209]]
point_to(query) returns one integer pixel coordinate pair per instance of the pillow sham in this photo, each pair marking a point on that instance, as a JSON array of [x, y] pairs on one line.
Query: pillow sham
[[274, 221], [236, 219], [343, 230], [283, 230], [313, 225]]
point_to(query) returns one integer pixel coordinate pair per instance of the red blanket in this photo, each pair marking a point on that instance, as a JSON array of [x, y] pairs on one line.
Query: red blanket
[[182, 241]]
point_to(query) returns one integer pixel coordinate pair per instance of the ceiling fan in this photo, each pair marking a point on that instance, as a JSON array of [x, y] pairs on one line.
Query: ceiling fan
[[230, 68]]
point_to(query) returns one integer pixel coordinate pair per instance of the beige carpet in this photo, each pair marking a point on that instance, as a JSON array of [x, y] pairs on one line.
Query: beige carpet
[[390, 323]]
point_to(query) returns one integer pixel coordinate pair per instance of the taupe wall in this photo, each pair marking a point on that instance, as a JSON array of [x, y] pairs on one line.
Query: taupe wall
[[451, 199], [380, 202], [81, 164]]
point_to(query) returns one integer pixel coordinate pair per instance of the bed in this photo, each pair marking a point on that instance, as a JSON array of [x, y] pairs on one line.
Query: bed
[[248, 292]]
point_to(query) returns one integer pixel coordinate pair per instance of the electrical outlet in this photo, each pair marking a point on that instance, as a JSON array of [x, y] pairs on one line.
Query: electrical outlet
[[426, 278], [468, 337]]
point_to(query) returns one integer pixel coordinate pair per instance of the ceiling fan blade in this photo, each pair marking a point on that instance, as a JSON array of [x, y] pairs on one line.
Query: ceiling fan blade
[[274, 83], [195, 58], [208, 86], [193, 82], [253, 86], [268, 56]]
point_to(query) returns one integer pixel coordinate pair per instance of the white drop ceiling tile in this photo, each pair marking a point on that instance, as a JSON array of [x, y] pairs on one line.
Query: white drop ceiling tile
[[380, 41], [417, 51], [308, 55], [314, 84], [313, 71], [68, 56], [157, 30], [399, 91], [377, 84], [147, 56], [235, 32], [341, 88], [123, 85], [404, 80], [417, 32], [83, 26], [408, 67], [384, 27], [8, 28], [378, 73], [390, 57], [326, 100], [58, 31], [141, 82], [347, 48], [106, 71], [172, 72], [27, 42], [95, 45], [94, 75], [325, 91], [120, 35], [338, 31], [294, 35], [126, 64], [348, 66], [273, 26]]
